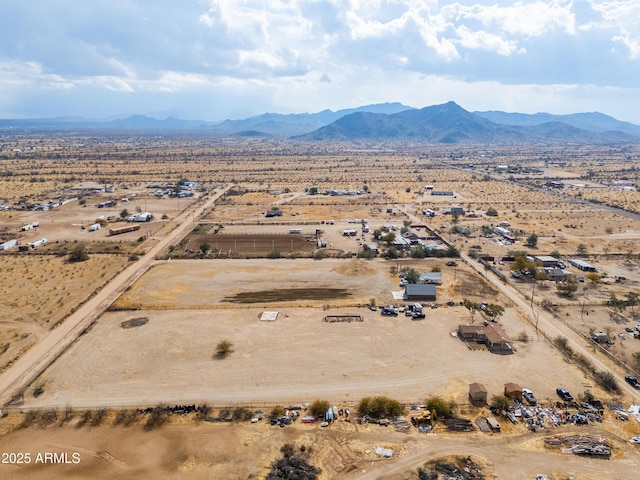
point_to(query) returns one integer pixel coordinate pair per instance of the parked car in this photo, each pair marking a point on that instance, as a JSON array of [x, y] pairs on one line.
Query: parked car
[[451, 304], [581, 278], [633, 381], [389, 311], [451, 264], [529, 396], [418, 315], [564, 394]]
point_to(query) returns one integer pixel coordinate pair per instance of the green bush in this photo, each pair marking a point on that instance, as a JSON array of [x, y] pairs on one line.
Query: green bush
[[380, 407], [442, 408], [318, 408]]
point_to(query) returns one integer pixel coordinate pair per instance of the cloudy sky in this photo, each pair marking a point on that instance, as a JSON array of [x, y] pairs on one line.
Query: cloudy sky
[[216, 59]]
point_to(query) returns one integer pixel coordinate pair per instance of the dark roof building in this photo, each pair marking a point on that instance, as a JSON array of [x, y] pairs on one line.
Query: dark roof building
[[420, 291], [494, 337]]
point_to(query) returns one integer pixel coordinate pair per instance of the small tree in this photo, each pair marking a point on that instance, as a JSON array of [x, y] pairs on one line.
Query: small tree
[[204, 248], [440, 406], [380, 407], [78, 254], [607, 380], [594, 277], [568, 288], [224, 348], [581, 249], [124, 213], [532, 240], [494, 311], [412, 275], [491, 212], [277, 411], [389, 238], [471, 306], [319, 408], [500, 403], [633, 298]]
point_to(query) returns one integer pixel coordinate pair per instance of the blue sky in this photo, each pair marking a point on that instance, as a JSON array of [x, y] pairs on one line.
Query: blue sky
[[208, 59]]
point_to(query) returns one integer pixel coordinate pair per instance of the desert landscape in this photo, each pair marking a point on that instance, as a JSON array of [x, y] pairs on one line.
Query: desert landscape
[[286, 253]]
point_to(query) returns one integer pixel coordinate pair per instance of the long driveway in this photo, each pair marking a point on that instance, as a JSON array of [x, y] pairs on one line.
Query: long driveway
[[27, 368]]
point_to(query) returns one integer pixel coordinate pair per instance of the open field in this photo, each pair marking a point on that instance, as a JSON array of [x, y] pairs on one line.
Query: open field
[[190, 307], [43, 291]]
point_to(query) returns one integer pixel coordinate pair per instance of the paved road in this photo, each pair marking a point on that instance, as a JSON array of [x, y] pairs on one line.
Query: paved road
[[40, 356]]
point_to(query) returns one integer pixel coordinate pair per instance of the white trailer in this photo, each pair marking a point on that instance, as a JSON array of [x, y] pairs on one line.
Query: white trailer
[[94, 227], [8, 245]]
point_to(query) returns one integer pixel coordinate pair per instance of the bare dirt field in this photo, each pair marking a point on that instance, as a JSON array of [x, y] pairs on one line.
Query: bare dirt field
[[44, 290], [190, 307]]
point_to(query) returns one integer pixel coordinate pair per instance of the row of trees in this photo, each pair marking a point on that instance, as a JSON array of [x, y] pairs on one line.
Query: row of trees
[[491, 310]]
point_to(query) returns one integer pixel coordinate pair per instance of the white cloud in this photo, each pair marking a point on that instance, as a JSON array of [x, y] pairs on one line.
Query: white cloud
[[521, 19], [306, 55], [623, 19], [486, 41]]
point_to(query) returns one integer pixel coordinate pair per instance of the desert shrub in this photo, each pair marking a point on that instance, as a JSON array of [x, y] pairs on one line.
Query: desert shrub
[[500, 402], [241, 414], [224, 348], [273, 254], [563, 345], [607, 380], [586, 396], [98, 417], [319, 255], [443, 408], [318, 408], [379, 407], [366, 253], [293, 466], [78, 254], [277, 411], [158, 417], [585, 363]]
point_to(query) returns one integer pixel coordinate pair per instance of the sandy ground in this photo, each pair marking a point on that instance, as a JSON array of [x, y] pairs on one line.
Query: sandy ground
[[343, 452], [297, 358]]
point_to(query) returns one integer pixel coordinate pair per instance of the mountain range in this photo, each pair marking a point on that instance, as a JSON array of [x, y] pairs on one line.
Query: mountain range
[[388, 122]]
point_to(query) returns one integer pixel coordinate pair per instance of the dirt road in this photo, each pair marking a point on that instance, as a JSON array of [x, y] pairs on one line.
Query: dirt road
[[510, 456], [34, 361]]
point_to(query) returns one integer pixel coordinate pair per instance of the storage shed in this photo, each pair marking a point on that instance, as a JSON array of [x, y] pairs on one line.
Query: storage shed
[[477, 393], [512, 390]]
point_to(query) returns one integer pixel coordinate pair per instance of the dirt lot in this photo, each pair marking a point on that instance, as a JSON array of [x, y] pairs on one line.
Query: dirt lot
[[44, 290], [344, 451]]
